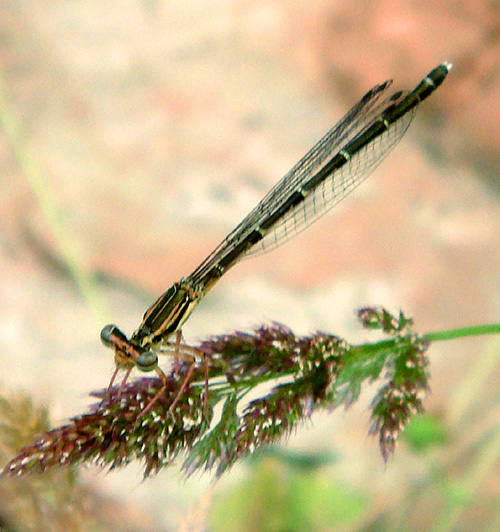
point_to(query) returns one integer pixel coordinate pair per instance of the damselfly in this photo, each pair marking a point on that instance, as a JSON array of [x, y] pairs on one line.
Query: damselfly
[[334, 167]]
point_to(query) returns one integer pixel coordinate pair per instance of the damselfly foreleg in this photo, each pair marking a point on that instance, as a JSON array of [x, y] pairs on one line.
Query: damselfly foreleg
[[181, 352]]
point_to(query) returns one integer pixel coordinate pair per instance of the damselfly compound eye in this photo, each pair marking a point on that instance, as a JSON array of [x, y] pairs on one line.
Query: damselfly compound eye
[[110, 335], [147, 361]]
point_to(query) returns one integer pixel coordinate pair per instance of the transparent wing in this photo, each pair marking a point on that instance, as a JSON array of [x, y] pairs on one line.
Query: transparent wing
[[333, 189], [320, 199]]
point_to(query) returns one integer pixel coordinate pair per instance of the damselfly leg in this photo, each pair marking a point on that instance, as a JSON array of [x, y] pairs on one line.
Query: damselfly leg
[[180, 351], [128, 356]]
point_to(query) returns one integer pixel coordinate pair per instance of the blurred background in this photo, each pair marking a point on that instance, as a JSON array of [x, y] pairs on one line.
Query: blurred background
[[136, 134]]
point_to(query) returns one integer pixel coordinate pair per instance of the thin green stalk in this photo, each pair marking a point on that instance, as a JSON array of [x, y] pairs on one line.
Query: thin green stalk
[[463, 332], [45, 196], [438, 336]]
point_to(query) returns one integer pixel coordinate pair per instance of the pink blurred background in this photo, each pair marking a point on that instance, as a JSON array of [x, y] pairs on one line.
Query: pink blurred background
[[154, 127]]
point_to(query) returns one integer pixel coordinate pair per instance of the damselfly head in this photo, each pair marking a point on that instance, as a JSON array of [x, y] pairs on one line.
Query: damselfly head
[[110, 335]]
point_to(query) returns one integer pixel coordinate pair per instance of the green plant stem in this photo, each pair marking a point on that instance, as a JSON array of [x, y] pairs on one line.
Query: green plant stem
[[463, 332], [362, 350], [47, 203], [439, 336]]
